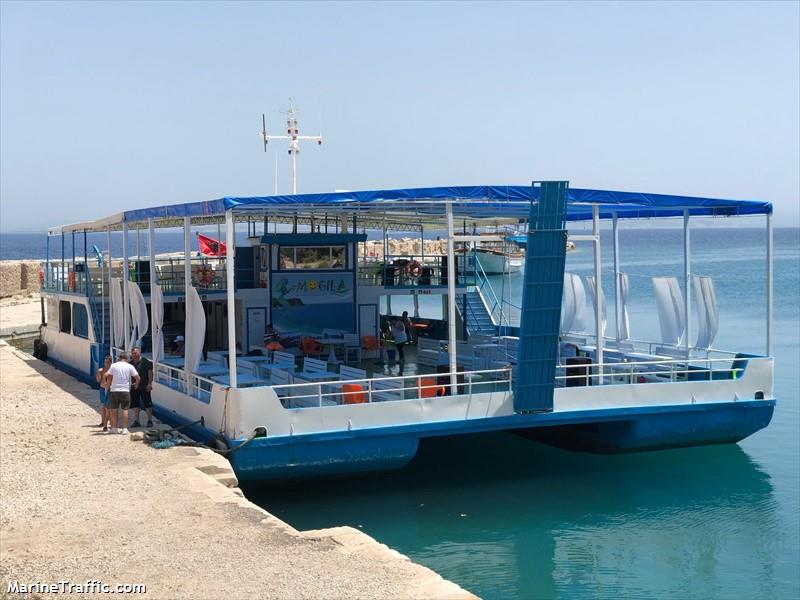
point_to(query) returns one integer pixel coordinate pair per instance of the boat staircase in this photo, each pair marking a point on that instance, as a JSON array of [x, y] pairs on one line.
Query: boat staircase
[[475, 314], [480, 308], [101, 322]]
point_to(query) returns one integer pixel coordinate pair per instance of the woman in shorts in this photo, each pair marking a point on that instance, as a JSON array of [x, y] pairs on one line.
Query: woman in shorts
[[100, 376]]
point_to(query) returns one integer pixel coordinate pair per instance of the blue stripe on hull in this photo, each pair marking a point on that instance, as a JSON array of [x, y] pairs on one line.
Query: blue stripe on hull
[[259, 461], [728, 424]]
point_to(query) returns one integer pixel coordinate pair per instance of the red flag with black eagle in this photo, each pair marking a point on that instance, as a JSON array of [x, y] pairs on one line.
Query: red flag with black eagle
[[210, 246]]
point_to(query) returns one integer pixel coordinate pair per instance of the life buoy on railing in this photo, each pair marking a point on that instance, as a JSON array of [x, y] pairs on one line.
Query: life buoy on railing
[[71, 281], [414, 269]]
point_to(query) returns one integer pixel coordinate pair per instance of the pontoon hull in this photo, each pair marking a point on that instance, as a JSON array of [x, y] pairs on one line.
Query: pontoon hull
[[711, 424], [389, 448]]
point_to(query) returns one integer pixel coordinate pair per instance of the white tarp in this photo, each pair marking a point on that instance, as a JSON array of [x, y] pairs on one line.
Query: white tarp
[[139, 321], [117, 309], [573, 304], [669, 301], [707, 313], [625, 325], [591, 289], [195, 331], [157, 313]]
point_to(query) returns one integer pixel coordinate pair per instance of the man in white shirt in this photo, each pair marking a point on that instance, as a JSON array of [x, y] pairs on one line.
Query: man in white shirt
[[121, 376]]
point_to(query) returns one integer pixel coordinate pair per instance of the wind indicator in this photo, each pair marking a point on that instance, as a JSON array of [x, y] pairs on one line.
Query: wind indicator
[[293, 136]]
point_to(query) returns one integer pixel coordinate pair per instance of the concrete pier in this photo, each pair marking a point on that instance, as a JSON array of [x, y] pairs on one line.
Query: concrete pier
[[79, 505]]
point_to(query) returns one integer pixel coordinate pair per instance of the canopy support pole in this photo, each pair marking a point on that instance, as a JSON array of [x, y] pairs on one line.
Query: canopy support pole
[[151, 245], [110, 303], [769, 284], [46, 280], [687, 282], [230, 252], [451, 300], [126, 308], [63, 274], [617, 291], [598, 285], [86, 277], [187, 283]]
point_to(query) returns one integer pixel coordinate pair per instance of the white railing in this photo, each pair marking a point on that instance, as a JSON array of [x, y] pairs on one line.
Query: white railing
[[649, 371], [328, 393], [175, 378]]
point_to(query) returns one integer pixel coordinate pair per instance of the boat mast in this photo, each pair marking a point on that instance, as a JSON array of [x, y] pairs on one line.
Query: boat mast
[[294, 137]]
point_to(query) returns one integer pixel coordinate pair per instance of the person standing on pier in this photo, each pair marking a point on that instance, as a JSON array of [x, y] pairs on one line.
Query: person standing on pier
[[121, 378], [100, 376], [140, 396]]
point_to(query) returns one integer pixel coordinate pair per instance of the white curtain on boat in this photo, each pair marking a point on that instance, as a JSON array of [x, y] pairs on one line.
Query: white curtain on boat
[[573, 304], [625, 325], [117, 306], [195, 331], [593, 296], [669, 301], [139, 321], [707, 313], [157, 313]]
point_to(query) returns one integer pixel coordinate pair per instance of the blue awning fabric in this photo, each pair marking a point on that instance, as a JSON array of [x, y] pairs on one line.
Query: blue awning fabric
[[479, 202]]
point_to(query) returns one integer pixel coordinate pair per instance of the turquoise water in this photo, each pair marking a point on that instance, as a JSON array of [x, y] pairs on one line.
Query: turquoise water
[[508, 518]]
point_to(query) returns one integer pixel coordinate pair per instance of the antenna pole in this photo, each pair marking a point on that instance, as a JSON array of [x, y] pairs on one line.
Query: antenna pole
[[294, 138]]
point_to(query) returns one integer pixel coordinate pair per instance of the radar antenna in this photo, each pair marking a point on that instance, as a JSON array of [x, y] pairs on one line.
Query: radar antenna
[[292, 135]]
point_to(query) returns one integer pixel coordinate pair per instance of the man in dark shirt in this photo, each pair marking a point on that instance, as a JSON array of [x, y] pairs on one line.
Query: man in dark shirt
[[140, 397]]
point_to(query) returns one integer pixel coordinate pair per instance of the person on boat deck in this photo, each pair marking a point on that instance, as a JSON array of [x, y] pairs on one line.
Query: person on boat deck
[[140, 396], [100, 377], [120, 378], [409, 327], [176, 347], [400, 338]]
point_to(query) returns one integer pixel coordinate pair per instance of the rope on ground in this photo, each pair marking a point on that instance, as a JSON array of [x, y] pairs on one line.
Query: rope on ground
[[161, 439]]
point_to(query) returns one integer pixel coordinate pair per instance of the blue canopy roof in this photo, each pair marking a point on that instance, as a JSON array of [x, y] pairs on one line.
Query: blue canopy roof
[[469, 202]]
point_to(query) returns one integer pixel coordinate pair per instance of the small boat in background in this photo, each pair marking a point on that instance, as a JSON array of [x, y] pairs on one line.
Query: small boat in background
[[498, 256]]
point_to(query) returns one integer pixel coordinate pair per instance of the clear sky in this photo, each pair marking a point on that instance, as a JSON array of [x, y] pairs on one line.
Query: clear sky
[[110, 106]]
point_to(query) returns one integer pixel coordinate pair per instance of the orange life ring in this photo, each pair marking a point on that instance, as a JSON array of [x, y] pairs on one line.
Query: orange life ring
[[414, 269], [71, 281]]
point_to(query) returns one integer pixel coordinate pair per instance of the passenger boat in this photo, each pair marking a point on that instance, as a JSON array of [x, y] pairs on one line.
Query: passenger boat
[[298, 380], [497, 255]]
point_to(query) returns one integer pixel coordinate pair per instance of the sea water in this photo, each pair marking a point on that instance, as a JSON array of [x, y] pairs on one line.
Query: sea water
[[505, 517]]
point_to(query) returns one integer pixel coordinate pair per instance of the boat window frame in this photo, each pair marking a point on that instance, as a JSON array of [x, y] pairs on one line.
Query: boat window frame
[[338, 264], [65, 316], [80, 320]]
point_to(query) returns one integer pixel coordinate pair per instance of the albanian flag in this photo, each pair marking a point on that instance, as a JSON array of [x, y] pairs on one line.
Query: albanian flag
[[210, 246]]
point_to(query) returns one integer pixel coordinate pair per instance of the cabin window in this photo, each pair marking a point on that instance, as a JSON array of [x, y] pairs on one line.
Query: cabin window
[[312, 257], [80, 321], [52, 313], [64, 317]]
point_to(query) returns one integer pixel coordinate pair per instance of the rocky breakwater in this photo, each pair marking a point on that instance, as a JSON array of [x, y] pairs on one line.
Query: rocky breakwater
[[19, 277], [404, 247]]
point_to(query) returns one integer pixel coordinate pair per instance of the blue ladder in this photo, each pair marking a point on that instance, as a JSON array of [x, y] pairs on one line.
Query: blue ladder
[[543, 287]]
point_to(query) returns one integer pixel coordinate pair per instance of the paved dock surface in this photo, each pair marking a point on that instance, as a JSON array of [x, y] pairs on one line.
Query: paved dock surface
[[80, 505], [20, 315]]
